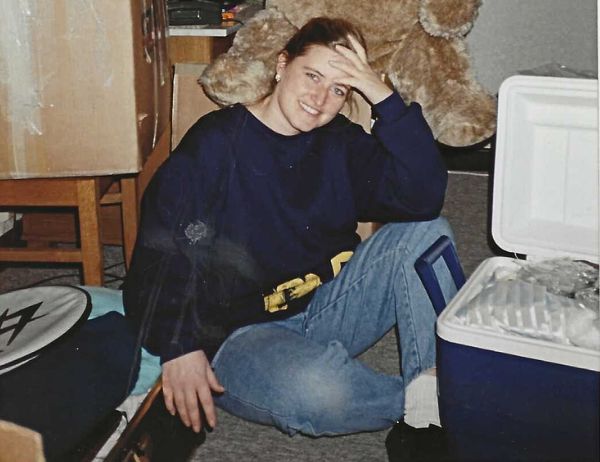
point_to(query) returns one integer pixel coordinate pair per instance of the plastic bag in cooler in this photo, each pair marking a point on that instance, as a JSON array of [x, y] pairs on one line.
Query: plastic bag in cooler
[[555, 300]]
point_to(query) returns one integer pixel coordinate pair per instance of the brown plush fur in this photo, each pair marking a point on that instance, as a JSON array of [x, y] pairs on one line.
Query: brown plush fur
[[245, 73], [418, 44]]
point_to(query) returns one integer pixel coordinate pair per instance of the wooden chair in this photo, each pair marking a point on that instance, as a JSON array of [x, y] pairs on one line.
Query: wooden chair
[[86, 195]]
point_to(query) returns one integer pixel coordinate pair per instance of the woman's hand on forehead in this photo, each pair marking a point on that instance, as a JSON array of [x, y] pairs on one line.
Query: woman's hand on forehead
[[359, 73], [360, 50]]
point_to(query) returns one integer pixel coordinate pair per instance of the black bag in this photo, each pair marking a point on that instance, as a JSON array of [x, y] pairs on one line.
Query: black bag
[[74, 384]]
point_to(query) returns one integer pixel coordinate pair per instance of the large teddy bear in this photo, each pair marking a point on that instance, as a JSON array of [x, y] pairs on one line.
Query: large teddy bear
[[417, 44]]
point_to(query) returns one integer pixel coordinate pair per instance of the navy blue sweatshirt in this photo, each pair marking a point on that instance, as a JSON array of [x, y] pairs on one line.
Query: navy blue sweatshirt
[[238, 209]]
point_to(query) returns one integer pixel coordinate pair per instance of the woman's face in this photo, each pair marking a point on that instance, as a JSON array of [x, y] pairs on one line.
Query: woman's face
[[308, 95]]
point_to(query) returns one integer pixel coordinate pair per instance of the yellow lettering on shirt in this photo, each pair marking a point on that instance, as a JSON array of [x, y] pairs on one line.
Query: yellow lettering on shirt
[[298, 287], [336, 262]]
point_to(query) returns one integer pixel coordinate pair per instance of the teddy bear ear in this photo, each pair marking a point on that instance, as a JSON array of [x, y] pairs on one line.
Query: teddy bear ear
[[233, 79], [448, 18], [245, 73]]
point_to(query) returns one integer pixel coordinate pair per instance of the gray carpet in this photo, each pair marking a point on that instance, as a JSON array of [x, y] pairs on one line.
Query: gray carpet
[[19, 275], [234, 439]]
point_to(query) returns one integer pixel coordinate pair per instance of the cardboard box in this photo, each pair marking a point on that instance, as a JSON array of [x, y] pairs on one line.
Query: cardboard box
[[84, 86], [189, 100], [20, 443]]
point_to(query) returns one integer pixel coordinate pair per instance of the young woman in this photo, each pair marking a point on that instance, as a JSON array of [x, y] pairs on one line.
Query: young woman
[[248, 278]]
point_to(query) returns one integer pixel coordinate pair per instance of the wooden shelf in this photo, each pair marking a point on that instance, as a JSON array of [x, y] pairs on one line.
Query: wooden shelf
[[192, 49]]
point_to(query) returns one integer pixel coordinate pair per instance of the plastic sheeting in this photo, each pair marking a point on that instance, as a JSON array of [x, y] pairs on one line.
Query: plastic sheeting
[[555, 300]]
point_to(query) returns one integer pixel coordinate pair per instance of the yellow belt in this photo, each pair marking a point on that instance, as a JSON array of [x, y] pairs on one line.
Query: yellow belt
[[298, 287]]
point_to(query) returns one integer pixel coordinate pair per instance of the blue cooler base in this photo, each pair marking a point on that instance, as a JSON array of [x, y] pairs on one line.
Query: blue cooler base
[[501, 407]]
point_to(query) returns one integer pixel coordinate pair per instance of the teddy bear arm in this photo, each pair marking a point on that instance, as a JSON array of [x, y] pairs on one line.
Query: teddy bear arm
[[436, 73]]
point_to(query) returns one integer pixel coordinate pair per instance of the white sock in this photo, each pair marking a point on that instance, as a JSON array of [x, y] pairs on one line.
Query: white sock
[[421, 401]]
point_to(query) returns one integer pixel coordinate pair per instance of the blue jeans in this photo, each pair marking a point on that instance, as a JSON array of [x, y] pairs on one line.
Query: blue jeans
[[300, 374]]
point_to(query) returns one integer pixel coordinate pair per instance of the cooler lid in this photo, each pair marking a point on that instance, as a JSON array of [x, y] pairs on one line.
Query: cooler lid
[[545, 199]]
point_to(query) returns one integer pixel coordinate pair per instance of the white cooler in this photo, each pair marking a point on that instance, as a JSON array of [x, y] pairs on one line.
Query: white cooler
[[507, 397]]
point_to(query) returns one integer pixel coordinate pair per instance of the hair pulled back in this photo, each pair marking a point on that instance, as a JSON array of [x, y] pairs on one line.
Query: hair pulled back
[[323, 31]]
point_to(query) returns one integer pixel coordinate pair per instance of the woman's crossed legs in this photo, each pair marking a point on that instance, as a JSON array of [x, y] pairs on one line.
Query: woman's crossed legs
[[300, 374]]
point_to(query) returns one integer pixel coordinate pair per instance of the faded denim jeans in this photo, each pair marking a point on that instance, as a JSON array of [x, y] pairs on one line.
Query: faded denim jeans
[[300, 374]]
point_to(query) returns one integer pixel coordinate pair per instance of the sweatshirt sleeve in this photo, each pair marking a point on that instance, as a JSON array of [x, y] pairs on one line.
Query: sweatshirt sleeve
[[397, 173], [164, 285]]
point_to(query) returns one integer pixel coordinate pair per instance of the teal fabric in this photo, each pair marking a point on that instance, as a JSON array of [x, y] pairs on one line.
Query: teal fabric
[[105, 300]]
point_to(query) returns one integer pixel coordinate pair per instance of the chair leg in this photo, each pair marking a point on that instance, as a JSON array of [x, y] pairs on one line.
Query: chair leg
[[129, 214], [89, 228]]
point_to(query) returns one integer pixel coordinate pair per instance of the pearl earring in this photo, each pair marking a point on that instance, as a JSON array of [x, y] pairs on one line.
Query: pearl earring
[[277, 78]]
